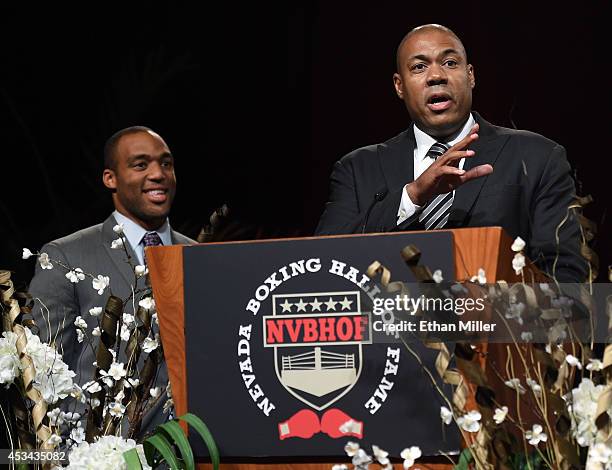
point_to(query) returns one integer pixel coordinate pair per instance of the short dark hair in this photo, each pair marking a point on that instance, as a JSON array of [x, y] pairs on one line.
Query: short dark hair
[[110, 147], [418, 29]]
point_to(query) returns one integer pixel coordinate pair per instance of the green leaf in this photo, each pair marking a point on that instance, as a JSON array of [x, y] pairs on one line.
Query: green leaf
[[132, 459], [206, 436], [177, 436], [159, 442], [464, 460]]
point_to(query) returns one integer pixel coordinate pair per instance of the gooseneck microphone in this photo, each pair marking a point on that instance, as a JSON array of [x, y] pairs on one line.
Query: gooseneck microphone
[[379, 196]]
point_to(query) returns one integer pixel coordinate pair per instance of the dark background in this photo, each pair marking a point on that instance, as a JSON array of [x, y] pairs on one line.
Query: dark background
[[257, 101]]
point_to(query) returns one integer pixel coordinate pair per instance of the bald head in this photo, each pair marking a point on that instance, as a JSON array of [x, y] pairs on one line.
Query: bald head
[[422, 29]]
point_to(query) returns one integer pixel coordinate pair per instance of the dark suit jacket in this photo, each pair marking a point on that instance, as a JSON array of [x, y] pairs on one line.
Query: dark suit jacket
[[90, 250], [528, 194]]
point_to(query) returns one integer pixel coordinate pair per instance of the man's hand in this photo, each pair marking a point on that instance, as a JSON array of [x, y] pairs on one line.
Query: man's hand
[[443, 176]]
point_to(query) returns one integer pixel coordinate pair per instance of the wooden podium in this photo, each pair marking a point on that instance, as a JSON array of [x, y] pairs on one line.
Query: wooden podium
[[474, 248]]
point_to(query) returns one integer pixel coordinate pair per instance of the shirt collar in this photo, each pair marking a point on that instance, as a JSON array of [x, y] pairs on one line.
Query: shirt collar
[[134, 232], [425, 141]]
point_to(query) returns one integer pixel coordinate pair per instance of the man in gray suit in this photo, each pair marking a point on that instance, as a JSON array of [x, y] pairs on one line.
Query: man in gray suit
[[139, 171]]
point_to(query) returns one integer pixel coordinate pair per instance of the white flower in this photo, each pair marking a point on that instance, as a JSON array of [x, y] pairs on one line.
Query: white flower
[[92, 387], [518, 263], [573, 361], [127, 382], [149, 345], [470, 422], [117, 244], [141, 270], [155, 392], [147, 303], [116, 371], [536, 435], [437, 276], [80, 323], [75, 275], [380, 455], [351, 448], [118, 229], [55, 417], [96, 331], [53, 378], [120, 396], [537, 389], [481, 278], [518, 244], [9, 360], [125, 333], [43, 259], [594, 365], [526, 336], [71, 417], [410, 455], [26, 253], [446, 415], [54, 440], [77, 434], [516, 385], [100, 283], [94, 312], [583, 409], [105, 454], [170, 403], [116, 409], [95, 403], [77, 393], [361, 460], [601, 453], [128, 319], [80, 336], [500, 414], [350, 427]]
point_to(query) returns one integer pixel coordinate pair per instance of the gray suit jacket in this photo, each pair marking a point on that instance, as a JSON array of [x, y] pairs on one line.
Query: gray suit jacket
[[90, 250]]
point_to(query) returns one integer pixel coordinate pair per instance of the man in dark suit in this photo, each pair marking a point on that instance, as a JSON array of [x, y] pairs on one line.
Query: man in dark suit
[[139, 171], [451, 168]]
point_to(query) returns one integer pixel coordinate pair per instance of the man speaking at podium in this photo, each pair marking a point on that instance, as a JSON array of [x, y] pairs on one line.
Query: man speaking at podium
[[451, 168]]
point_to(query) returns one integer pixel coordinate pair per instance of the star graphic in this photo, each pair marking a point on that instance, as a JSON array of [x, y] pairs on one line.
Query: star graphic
[[331, 305], [316, 305], [301, 306], [286, 306], [346, 303]]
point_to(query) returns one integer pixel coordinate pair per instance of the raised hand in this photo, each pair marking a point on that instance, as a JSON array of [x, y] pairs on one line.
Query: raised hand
[[443, 176]]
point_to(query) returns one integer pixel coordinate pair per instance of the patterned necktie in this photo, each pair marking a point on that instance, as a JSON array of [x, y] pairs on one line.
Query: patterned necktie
[[150, 239], [436, 212]]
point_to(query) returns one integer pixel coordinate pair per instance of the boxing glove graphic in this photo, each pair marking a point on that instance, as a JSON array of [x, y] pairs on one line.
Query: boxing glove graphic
[[336, 423], [304, 424]]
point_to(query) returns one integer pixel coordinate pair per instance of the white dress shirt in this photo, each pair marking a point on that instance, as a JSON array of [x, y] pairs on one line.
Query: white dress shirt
[[134, 233], [421, 162]]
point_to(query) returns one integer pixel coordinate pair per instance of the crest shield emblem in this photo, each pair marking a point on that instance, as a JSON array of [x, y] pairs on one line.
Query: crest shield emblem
[[318, 343]]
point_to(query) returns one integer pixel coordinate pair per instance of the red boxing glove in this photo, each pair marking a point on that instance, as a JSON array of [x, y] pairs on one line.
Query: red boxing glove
[[334, 419], [304, 424]]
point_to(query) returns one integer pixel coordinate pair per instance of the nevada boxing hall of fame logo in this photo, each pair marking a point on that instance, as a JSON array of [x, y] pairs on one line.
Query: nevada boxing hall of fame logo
[[319, 341]]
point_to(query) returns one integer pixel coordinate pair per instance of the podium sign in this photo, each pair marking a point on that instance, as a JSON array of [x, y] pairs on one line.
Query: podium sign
[[280, 350]]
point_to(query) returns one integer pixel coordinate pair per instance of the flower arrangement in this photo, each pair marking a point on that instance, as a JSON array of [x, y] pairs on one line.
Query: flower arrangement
[[545, 405], [93, 421]]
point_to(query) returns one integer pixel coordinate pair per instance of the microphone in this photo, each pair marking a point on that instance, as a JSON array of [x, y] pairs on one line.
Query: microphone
[[379, 196]]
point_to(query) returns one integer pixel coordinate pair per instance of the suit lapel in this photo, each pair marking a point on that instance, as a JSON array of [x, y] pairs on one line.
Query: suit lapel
[[487, 148], [118, 256], [396, 159]]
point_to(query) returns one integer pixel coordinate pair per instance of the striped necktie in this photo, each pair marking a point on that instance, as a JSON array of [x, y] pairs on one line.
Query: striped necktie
[[436, 212]]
